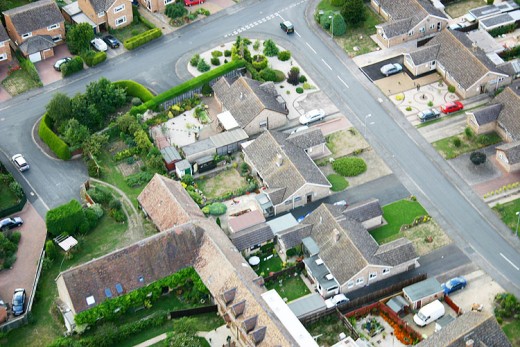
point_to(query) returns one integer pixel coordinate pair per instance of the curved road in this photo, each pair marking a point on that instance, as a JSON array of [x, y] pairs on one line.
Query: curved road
[[475, 229]]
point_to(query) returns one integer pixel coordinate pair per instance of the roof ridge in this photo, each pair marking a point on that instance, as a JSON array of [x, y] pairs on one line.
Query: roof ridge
[[243, 79], [289, 158]]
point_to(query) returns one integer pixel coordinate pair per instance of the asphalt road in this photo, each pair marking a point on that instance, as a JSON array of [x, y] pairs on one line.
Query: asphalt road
[[479, 233]]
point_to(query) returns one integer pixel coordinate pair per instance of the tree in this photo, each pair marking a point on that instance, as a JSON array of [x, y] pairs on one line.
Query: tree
[[477, 158], [85, 112], [79, 37], [106, 96], [270, 48], [59, 109], [202, 66], [354, 12], [94, 143], [74, 133], [339, 26], [176, 10], [293, 76]]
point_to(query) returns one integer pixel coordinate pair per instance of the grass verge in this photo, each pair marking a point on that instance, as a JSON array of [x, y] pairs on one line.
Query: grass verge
[[130, 31], [507, 212], [338, 182], [512, 331]]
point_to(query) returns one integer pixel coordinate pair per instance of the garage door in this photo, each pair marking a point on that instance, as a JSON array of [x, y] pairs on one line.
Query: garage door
[[35, 57]]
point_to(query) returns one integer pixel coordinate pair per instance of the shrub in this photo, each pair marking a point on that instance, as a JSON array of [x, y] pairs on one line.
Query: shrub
[[100, 195], [338, 182], [57, 145], [408, 108], [217, 209], [50, 250], [136, 102], [284, 55], [468, 132], [215, 61], [307, 85], [451, 89], [293, 76], [268, 74], [477, 158], [302, 79], [430, 103], [176, 10], [270, 48], [202, 66], [259, 62], [73, 66], [188, 180], [227, 53], [349, 166], [338, 25], [194, 61], [206, 89], [93, 58], [139, 179], [66, 218], [299, 90], [141, 39], [256, 45], [134, 89], [457, 142], [337, 3], [216, 54]]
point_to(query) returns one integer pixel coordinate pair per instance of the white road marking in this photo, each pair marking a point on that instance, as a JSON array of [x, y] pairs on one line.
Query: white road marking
[[298, 34], [510, 262], [324, 62], [339, 78], [312, 49]]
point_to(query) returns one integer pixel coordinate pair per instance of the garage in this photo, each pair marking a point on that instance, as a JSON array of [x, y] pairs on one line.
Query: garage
[[35, 57]]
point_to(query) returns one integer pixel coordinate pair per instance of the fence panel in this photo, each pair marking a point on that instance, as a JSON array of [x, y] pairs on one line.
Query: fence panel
[[453, 305]]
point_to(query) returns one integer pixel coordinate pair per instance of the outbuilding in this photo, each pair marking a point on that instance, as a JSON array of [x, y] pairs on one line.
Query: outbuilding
[[422, 293]]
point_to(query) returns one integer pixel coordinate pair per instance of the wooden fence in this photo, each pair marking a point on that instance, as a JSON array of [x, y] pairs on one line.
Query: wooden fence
[[297, 268], [193, 311], [453, 305]]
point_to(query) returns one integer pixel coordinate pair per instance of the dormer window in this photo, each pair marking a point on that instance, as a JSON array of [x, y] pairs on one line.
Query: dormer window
[[101, 14], [119, 8], [52, 27]]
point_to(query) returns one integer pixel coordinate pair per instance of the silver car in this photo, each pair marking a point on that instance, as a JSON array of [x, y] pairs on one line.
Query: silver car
[[20, 163], [312, 116], [391, 69]]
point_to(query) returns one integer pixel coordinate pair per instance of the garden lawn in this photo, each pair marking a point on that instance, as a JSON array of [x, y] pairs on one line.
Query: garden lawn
[[329, 327], [512, 331], [292, 287], [272, 265], [7, 197], [360, 36], [130, 31], [507, 212], [19, 82], [396, 214], [46, 324], [225, 182], [460, 8], [325, 5], [448, 150], [338, 182]]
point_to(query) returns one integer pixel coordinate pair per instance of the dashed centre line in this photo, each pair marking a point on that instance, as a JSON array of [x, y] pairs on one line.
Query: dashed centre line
[[312, 49], [510, 262], [327, 65], [346, 85]]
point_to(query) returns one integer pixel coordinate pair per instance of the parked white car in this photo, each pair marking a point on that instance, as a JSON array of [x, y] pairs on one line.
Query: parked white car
[[312, 116], [99, 44], [336, 300]]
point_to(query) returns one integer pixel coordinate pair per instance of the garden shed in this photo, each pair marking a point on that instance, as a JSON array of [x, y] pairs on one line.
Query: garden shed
[[170, 156], [397, 304], [422, 293], [182, 168], [308, 305], [228, 142], [198, 150]]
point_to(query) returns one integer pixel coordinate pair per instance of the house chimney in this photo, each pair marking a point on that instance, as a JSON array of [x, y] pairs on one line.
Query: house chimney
[[279, 160], [336, 235], [241, 96], [469, 343]]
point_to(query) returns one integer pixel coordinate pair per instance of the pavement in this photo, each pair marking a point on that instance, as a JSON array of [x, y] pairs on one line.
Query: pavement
[[217, 337]]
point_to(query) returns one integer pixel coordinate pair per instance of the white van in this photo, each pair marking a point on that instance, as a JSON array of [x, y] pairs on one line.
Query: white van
[[429, 313]]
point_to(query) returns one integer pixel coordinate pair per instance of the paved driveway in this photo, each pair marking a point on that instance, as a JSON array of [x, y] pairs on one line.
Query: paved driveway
[[373, 71], [24, 269], [4, 95], [46, 67]]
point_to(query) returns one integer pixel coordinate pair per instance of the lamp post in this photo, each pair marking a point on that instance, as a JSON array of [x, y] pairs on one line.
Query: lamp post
[[517, 222], [366, 117], [332, 27]]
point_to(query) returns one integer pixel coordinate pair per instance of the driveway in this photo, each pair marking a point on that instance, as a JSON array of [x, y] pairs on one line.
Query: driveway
[[373, 71], [46, 67], [29, 249], [4, 95]]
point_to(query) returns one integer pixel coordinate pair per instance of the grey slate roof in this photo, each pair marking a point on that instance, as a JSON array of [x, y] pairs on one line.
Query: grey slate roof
[[170, 154], [512, 151], [423, 289], [246, 98], [320, 272], [34, 16], [465, 63], [101, 5], [36, 44], [487, 114], [296, 170], [501, 19], [307, 304], [294, 235], [307, 138], [3, 34], [480, 327], [363, 211], [398, 27], [397, 303], [255, 235], [508, 118], [424, 54], [396, 252]]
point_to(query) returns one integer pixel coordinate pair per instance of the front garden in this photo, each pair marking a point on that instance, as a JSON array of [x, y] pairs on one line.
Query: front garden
[[453, 146], [328, 329], [507, 213], [21, 76], [507, 312]]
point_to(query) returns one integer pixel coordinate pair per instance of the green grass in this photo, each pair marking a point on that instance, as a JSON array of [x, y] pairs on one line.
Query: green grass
[[329, 327], [272, 265], [19, 82], [396, 214], [45, 324], [7, 5], [291, 288], [459, 8], [448, 150], [325, 5], [7, 197], [225, 182], [512, 331], [130, 31], [507, 212], [338, 182]]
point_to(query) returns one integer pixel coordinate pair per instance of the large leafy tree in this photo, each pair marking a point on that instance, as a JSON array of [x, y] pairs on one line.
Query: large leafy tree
[[59, 109], [95, 143], [86, 112], [106, 96], [74, 133], [79, 37], [354, 12]]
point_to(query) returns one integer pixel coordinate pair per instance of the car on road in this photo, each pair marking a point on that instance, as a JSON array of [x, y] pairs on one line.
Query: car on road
[[18, 305], [287, 26], [454, 284], [312, 116], [428, 114], [10, 223], [58, 64], [452, 107], [391, 69], [20, 162], [193, 2], [340, 203], [111, 41], [336, 300], [99, 44]]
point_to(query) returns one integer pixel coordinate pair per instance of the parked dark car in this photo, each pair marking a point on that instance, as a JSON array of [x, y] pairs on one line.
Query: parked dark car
[[18, 306], [10, 223], [58, 64], [454, 284], [429, 114], [287, 26], [111, 41]]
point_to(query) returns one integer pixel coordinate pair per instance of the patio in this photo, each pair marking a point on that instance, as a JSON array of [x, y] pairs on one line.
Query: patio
[[179, 131]]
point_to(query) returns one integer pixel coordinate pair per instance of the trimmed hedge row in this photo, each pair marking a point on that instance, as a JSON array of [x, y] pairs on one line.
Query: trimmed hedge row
[[188, 85], [142, 38], [135, 89], [73, 66], [95, 58], [57, 145]]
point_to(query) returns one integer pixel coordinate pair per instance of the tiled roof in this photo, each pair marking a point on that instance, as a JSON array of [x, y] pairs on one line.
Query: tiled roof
[[35, 15], [307, 138], [250, 323], [245, 221], [396, 252], [465, 63], [363, 211], [397, 27], [258, 335], [152, 259], [480, 327], [283, 164], [229, 295], [254, 235], [246, 98], [294, 235], [512, 151], [508, 118], [424, 54], [487, 114], [36, 44], [238, 308], [167, 203], [101, 5], [3, 34]]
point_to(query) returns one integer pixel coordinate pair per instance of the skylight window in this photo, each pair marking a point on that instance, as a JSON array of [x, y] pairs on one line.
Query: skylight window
[[119, 288], [108, 292], [141, 279], [90, 300]]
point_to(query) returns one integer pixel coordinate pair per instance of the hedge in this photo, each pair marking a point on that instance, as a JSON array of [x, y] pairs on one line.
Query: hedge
[[66, 218], [73, 66], [135, 89], [188, 85], [95, 58], [57, 145], [142, 38], [349, 166]]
